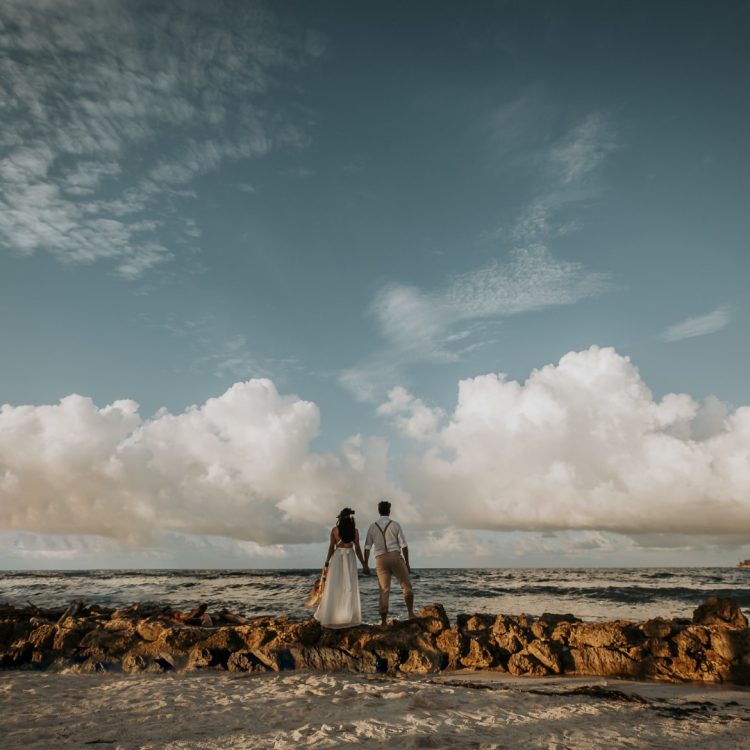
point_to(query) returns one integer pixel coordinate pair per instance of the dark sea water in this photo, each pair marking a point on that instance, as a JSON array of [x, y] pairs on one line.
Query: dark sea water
[[590, 593]]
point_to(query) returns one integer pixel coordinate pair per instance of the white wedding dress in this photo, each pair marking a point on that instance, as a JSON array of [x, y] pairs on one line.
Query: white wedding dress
[[339, 606]]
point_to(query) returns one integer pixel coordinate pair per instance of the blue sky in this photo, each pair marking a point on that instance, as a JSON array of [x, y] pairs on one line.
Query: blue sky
[[344, 199]]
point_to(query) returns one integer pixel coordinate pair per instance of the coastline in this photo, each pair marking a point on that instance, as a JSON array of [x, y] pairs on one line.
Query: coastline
[[712, 646]]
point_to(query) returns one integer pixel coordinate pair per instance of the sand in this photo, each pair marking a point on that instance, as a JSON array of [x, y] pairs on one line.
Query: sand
[[291, 710]]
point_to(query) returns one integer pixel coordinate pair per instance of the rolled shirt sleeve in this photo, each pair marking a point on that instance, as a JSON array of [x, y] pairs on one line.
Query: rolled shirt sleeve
[[368, 538]]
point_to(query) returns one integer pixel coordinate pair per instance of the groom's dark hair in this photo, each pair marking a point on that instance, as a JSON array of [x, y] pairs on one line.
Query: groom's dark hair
[[384, 508]]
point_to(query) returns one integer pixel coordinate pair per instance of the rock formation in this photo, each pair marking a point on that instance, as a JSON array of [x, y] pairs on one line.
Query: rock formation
[[714, 646]]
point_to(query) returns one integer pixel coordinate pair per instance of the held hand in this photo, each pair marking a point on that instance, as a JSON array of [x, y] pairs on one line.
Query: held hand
[[366, 570]]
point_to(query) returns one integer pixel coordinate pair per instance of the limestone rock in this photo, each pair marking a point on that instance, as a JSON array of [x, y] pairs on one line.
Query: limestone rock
[[719, 611], [548, 654], [433, 618], [153, 638], [509, 634], [657, 628], [619, 634], [592, 660], [525, 663], [246, 661], [478, 654]]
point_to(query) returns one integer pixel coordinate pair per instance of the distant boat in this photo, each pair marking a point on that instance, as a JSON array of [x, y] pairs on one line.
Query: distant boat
[[743, 564]]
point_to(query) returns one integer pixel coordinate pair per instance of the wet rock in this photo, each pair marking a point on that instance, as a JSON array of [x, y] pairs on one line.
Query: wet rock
[[448, 643], [317, 659], [548, 654], [246, 661], [134, 663], [691, 640], [525, 663], [657, 628], [546, 625], [719, 611], [620, 634], [418, 662], [151, 630], [478, 654], [67, 638], [510, 635], [592, 660], [433, 618], [684, 667], [153, 638], [307, 633], [201, 657], [43, 637], [658, 648]]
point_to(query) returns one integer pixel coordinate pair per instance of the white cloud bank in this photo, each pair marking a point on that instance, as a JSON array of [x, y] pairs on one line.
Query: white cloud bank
[[239, 466], [581, 445]]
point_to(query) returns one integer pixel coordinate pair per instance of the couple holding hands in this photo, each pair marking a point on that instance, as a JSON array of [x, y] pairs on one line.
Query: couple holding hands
[[339, 605]]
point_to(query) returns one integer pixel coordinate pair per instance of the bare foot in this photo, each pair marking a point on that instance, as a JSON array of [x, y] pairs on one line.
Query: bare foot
[[411, 616], [383, 621]]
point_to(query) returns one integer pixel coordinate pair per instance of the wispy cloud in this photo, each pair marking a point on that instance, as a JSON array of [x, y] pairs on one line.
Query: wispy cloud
[[700, 325], [440, 325], [580, 152], [111, 110], [443, 324], [217, 348]]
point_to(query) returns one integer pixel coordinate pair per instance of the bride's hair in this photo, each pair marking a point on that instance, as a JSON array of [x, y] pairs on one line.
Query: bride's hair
[[346, 526]]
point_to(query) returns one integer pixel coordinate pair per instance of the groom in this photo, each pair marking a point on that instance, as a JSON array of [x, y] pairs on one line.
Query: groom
[[388, 541]]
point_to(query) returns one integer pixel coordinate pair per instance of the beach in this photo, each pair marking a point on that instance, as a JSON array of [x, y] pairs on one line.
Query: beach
[[461, 710]]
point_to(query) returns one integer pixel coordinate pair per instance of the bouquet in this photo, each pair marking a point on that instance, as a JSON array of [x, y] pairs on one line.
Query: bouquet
[[316, 592]]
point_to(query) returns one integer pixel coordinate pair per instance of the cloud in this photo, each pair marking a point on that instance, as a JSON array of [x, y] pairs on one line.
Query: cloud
[[582, 150], [239, 466], [217, 349], [25, 549], [443, 324], [700, 325], [580, 446], [584, 445], [111, 111], [562, 171], [411, 416]]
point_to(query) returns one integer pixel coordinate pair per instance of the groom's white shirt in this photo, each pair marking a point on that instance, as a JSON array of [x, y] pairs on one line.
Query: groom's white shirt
[[394, 536]]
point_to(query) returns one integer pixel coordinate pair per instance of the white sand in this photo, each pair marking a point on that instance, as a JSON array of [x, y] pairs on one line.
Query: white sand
[[42, 710]]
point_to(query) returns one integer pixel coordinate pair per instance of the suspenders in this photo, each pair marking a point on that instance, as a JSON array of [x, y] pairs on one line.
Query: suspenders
[[382, 531]]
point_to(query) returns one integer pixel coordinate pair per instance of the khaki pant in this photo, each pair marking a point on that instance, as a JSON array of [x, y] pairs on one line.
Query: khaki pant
[[387, 565]]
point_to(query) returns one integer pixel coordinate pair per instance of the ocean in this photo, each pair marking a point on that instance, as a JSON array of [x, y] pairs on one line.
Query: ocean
[[589, 593]]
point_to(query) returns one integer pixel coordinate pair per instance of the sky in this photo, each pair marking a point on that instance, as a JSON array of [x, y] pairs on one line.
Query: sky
[[262, 261]]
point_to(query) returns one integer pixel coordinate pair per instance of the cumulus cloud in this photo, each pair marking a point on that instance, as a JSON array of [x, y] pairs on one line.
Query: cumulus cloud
[[584, 445], [239, 466], [700, 325], [112, 109], [580, 445], [411, 416]]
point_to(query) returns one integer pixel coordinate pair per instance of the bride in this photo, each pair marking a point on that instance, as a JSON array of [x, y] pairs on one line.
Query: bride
[[339, 605]]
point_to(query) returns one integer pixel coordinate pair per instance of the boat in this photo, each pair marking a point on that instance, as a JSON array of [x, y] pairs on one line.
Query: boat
[[743, 564]]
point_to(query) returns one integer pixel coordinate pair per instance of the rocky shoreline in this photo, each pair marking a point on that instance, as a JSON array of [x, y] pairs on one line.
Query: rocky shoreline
[[714, 646]]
